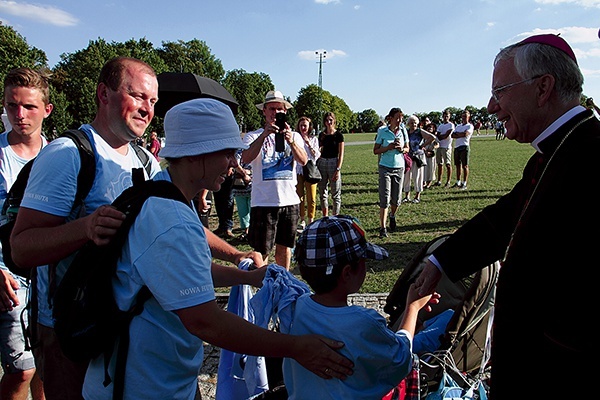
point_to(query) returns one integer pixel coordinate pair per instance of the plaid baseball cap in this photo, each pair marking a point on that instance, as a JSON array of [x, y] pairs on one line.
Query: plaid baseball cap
[[335, 240]]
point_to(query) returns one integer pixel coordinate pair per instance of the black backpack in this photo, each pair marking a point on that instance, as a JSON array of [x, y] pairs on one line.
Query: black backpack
[[87, 319], [85, 180]]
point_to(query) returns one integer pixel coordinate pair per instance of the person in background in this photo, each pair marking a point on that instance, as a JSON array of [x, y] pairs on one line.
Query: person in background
[[499, 130], [223, 202], [462, 135], [141, 141], [536, 90], [242, 194], [443, 154], [418, 140], [429, 172], [26, 103], [477, 127], [331, 143], [275, 203], [390, 145], [166, 338], [331, 254], [154, 145], [203, 203], [307, 191]]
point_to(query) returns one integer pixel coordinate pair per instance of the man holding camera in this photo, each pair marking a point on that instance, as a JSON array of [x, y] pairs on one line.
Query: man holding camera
[[275, 204]]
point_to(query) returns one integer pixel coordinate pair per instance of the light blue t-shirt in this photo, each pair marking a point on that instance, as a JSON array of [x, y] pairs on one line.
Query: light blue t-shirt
[[382, 358], [10, 166], [53, 183], [391, 158], [168, 252]]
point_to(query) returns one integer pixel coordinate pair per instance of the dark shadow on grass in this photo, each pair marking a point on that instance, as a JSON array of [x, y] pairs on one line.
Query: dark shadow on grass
[[400, 256]]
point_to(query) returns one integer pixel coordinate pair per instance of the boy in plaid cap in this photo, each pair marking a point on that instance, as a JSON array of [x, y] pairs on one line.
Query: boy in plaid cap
[[331, 254]]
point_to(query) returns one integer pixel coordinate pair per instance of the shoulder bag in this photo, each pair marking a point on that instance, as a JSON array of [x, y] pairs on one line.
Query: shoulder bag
[[311, 173]]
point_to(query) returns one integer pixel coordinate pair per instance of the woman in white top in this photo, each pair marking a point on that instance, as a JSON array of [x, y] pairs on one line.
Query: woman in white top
[[307, 191]]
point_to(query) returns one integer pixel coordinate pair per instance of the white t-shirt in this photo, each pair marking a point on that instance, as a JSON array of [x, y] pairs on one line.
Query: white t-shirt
[[443, 128], [273, 173], [463, 141]]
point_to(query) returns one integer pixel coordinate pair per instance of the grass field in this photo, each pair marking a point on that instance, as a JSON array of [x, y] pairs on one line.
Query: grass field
[[495, 166]]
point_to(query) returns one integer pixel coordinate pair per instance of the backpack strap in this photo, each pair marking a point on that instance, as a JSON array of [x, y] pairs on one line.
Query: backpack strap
[[87, 173], [143, 156], [123, 346], [85, 180], [131, 202]]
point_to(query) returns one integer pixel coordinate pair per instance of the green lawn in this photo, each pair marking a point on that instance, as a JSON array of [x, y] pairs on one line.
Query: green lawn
[[495, 166]]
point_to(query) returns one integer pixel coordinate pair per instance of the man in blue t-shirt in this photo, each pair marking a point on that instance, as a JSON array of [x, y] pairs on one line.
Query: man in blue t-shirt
[[27, 104]]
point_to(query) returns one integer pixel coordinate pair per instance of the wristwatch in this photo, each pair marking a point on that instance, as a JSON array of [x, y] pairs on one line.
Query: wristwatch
[[337, 169]]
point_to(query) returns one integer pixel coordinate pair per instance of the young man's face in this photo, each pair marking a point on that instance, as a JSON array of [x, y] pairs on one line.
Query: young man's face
[[25, 109]]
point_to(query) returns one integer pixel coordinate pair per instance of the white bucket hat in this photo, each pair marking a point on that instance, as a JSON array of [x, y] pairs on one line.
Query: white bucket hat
[[275, 96], [200, 126]]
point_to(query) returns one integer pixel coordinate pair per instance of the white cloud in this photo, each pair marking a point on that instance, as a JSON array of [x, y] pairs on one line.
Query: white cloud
[[583, 3], [44, 14], [572, 34], [588, 73], [314, 54], [327, 1], [337, 53]]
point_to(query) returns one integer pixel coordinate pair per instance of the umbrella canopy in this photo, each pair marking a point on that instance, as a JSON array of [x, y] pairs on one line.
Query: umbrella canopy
[[177, 87]]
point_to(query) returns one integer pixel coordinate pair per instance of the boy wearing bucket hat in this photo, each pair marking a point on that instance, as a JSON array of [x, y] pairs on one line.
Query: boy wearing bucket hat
[[331, 254], [275, 205], [167, 251]]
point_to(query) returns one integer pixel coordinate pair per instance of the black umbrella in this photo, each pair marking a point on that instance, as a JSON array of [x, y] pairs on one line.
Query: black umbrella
[[177, 87]]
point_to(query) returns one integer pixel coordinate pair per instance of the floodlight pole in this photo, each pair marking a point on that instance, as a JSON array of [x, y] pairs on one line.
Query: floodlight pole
[[322, 55]]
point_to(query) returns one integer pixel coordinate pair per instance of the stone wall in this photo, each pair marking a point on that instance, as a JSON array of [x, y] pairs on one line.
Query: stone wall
[[207, 380]]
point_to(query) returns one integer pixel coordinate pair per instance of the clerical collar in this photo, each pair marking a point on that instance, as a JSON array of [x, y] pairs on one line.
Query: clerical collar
[[553, 127]]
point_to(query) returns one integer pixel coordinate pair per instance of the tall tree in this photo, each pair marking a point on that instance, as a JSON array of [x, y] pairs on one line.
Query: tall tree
[[59, 120], [366, 121], [309, 104], [343, 114], [193, 56], [248, 89], [15, 52]]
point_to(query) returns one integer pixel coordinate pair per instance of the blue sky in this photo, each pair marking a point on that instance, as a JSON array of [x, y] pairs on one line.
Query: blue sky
[[416, 55]]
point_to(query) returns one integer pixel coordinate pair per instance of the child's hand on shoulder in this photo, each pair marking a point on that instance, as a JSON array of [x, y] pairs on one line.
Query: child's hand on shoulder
[[413, 298]]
